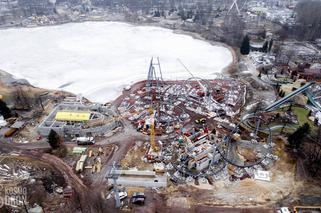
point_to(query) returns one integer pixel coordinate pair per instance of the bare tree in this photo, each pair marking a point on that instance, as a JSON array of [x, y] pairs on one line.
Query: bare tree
[[308, 19], [37, 195], [312, 153], [313, 158], [22, 101], [97, 203], [233, 29]]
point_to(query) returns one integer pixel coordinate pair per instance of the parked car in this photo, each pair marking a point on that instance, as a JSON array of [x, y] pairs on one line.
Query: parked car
[[138, 198], [122, 195], [139, 195], [138, 201], [284, 210]]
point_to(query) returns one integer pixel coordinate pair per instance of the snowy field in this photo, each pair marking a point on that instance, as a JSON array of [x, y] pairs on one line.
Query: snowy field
[[97, 59]]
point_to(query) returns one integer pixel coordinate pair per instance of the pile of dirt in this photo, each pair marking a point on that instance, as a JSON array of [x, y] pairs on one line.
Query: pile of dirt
[[134, 158]]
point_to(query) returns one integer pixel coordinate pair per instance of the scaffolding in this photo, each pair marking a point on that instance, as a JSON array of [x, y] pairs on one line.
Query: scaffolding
[[154, 78]]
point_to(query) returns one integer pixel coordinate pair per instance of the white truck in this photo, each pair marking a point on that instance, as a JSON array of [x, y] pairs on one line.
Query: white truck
[[85, 140]]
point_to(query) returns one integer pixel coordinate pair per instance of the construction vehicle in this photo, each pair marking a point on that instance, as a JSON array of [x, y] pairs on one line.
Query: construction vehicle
[[80, 163], [200, 121], [299, 209], [96, 167]]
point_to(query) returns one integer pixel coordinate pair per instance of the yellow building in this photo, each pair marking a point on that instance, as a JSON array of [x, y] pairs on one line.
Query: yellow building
[[72, 116]]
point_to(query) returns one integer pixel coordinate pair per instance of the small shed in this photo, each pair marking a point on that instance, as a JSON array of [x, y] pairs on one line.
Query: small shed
[[18, 125]]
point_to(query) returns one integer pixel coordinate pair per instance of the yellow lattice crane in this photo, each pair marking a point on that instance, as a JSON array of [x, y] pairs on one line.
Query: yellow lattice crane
[[152, 129]]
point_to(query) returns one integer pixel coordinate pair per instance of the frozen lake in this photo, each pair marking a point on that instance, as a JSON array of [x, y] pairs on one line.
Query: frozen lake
[[97, 59]]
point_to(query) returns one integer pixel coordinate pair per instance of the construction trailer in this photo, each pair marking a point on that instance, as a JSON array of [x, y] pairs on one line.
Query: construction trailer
[[80, 163], [79, 150]]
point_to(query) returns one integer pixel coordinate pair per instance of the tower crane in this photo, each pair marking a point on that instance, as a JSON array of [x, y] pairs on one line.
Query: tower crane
[[152, 129]]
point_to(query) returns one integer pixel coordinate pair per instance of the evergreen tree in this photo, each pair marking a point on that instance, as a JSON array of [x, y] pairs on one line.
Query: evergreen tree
[[245, 46], [310, 113], [290, 108], [278, 87], [4, 110], [282, 94], [265, 46], [163, 14], [157, 13], [270, 45], [316, 121], [53, 139], [181, 13]]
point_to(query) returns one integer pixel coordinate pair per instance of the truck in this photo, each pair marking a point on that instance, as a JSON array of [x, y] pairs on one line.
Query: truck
[[85, 140]]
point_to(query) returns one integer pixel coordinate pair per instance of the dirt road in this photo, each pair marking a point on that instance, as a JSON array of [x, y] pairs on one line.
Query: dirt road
[[124, 141]]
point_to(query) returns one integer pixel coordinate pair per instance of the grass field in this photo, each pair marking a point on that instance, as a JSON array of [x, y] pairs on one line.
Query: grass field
[[302, 115]]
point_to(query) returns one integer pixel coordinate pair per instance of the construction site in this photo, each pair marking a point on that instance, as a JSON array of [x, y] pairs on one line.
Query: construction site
[[237, 131], [199, 135], [176, 104], [172, 138]]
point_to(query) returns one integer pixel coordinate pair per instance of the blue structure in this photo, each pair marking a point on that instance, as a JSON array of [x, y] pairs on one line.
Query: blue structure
[[288, 97]]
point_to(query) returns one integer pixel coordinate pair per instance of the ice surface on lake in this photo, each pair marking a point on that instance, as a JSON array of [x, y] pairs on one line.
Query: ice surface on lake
[[98, 59]]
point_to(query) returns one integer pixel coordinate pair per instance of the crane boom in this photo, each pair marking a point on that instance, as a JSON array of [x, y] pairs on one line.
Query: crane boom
[[197, 80], [152, 129]]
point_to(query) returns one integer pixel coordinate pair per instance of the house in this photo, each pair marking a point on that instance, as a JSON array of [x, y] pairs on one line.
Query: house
[[311, 74]]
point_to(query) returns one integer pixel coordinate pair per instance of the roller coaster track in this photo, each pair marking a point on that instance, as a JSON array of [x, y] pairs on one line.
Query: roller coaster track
[[312, 100], [229, 152], [288, 97], [247, 125]]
